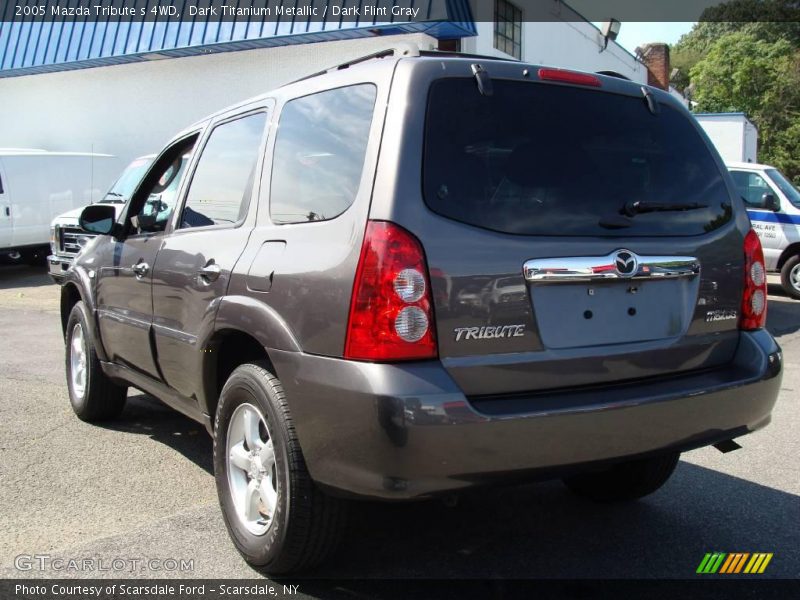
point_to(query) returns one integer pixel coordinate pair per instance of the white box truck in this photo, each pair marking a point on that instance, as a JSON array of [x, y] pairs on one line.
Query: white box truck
[[733, 134], [37, 185]]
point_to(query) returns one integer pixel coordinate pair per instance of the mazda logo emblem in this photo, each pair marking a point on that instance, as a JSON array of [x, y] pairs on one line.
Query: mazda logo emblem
[[626, 263]]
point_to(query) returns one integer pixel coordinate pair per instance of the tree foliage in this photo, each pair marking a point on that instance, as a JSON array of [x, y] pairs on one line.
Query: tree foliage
[[730, 62]]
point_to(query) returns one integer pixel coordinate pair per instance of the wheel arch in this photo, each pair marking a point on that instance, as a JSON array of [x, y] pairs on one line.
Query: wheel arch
[[789, 251], [70, 296], [76, 287], [245, 329]]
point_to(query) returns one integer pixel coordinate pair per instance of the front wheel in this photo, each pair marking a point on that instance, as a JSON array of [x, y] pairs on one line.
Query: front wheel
[[278, 519], [93, 396], [790, 276], [625, 481]]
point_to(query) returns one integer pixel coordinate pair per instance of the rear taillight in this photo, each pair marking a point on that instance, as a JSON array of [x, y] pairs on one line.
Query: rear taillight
[[390, 313], [573, 77], [754, 298]]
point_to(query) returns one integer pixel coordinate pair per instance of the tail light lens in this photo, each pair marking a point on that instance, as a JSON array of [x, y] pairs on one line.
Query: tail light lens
[[390, 312], [754, 299]]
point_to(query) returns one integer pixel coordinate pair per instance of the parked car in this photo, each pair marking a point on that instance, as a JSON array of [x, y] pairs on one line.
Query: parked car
[[285, 301], [66, 236], [773, 204], [36, 185]]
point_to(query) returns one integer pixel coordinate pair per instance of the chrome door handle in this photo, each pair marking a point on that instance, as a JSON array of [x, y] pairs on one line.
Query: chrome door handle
[[210, 272], [141, 269]]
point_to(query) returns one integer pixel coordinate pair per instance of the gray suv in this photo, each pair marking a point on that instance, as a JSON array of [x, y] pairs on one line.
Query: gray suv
[[299, 286]]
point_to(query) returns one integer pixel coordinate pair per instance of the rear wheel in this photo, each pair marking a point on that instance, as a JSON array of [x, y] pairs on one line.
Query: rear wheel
[[93, 396], [625, 481], [790, 276], [278, 519]]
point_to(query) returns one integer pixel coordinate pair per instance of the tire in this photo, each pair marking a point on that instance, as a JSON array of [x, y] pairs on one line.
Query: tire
[[292, 525], [94, 397], [625, 481], [790, 276]]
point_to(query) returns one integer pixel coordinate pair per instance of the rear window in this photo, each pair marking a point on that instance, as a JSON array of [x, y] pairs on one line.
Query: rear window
[[542, 159]]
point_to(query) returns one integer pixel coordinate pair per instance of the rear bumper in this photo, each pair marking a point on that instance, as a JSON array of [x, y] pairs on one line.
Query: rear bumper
[[406, 431], [57, 267]]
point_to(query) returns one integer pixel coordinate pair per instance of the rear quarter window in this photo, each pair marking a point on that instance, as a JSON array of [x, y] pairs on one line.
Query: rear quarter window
[[544, 159], [319, 154]]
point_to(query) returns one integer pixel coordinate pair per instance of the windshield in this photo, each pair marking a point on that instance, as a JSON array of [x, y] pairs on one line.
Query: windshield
[[543, 159], [791, 192], [127, 182]]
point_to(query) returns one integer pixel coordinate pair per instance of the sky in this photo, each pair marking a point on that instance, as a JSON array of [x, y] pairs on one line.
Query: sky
[[637, 34]]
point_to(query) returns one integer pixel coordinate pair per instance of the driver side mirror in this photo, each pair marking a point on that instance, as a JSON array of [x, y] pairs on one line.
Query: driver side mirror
[[98, 218], [770, 202]]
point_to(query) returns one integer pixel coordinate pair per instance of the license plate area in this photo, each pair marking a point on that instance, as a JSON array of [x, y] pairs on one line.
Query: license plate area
[[612, 312]]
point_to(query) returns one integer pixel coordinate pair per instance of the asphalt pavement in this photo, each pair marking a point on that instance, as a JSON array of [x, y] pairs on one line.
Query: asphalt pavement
[[141, 489]]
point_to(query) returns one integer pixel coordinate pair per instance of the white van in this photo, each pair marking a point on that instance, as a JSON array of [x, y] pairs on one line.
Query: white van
[[773, 205], [36, 185]]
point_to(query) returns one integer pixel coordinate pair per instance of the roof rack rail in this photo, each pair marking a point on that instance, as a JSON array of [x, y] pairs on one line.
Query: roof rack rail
[[454, 54], [400, 49]]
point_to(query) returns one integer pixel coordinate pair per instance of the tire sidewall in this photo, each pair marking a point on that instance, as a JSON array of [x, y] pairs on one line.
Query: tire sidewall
[[78, 317], [247, 385], [786, 280]]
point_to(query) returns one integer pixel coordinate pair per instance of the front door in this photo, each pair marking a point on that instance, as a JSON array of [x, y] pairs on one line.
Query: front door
[[124, 279], [125, 302], [194, 265]]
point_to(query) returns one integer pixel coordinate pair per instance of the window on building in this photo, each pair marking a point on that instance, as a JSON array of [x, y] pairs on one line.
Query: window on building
[[319, 154], [223, 179], [508, 28]]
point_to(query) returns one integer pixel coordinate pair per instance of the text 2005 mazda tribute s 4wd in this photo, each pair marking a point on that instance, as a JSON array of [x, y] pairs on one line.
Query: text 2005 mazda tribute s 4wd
[[418, 273]]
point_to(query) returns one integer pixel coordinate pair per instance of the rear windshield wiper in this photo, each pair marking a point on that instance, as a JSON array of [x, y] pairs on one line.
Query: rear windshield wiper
[[631, 209]]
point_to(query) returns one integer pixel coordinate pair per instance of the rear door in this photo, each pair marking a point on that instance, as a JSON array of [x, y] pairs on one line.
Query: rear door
[[196, 259], [543, 196]]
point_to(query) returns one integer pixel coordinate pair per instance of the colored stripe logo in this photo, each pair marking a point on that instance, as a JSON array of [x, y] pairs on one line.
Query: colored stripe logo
[[773, 217], [734, 562]]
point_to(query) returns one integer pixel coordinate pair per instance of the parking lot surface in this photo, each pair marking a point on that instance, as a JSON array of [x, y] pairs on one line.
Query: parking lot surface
[[142, 488]]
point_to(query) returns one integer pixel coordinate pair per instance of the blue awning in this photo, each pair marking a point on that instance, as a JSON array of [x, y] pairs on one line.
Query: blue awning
[[34, 46]]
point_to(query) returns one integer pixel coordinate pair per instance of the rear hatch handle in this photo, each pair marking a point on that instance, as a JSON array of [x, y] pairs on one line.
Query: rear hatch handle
[[620, 264]]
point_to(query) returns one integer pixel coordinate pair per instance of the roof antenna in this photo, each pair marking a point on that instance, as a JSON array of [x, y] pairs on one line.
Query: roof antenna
[[483, 79]]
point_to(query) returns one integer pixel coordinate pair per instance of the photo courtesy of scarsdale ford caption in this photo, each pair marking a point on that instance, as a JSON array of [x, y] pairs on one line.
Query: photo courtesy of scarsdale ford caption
[[155, 590]]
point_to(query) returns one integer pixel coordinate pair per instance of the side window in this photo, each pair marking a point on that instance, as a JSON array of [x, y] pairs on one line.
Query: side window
[[223, 179], [751, 187], [161, 188], [319, 154]]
